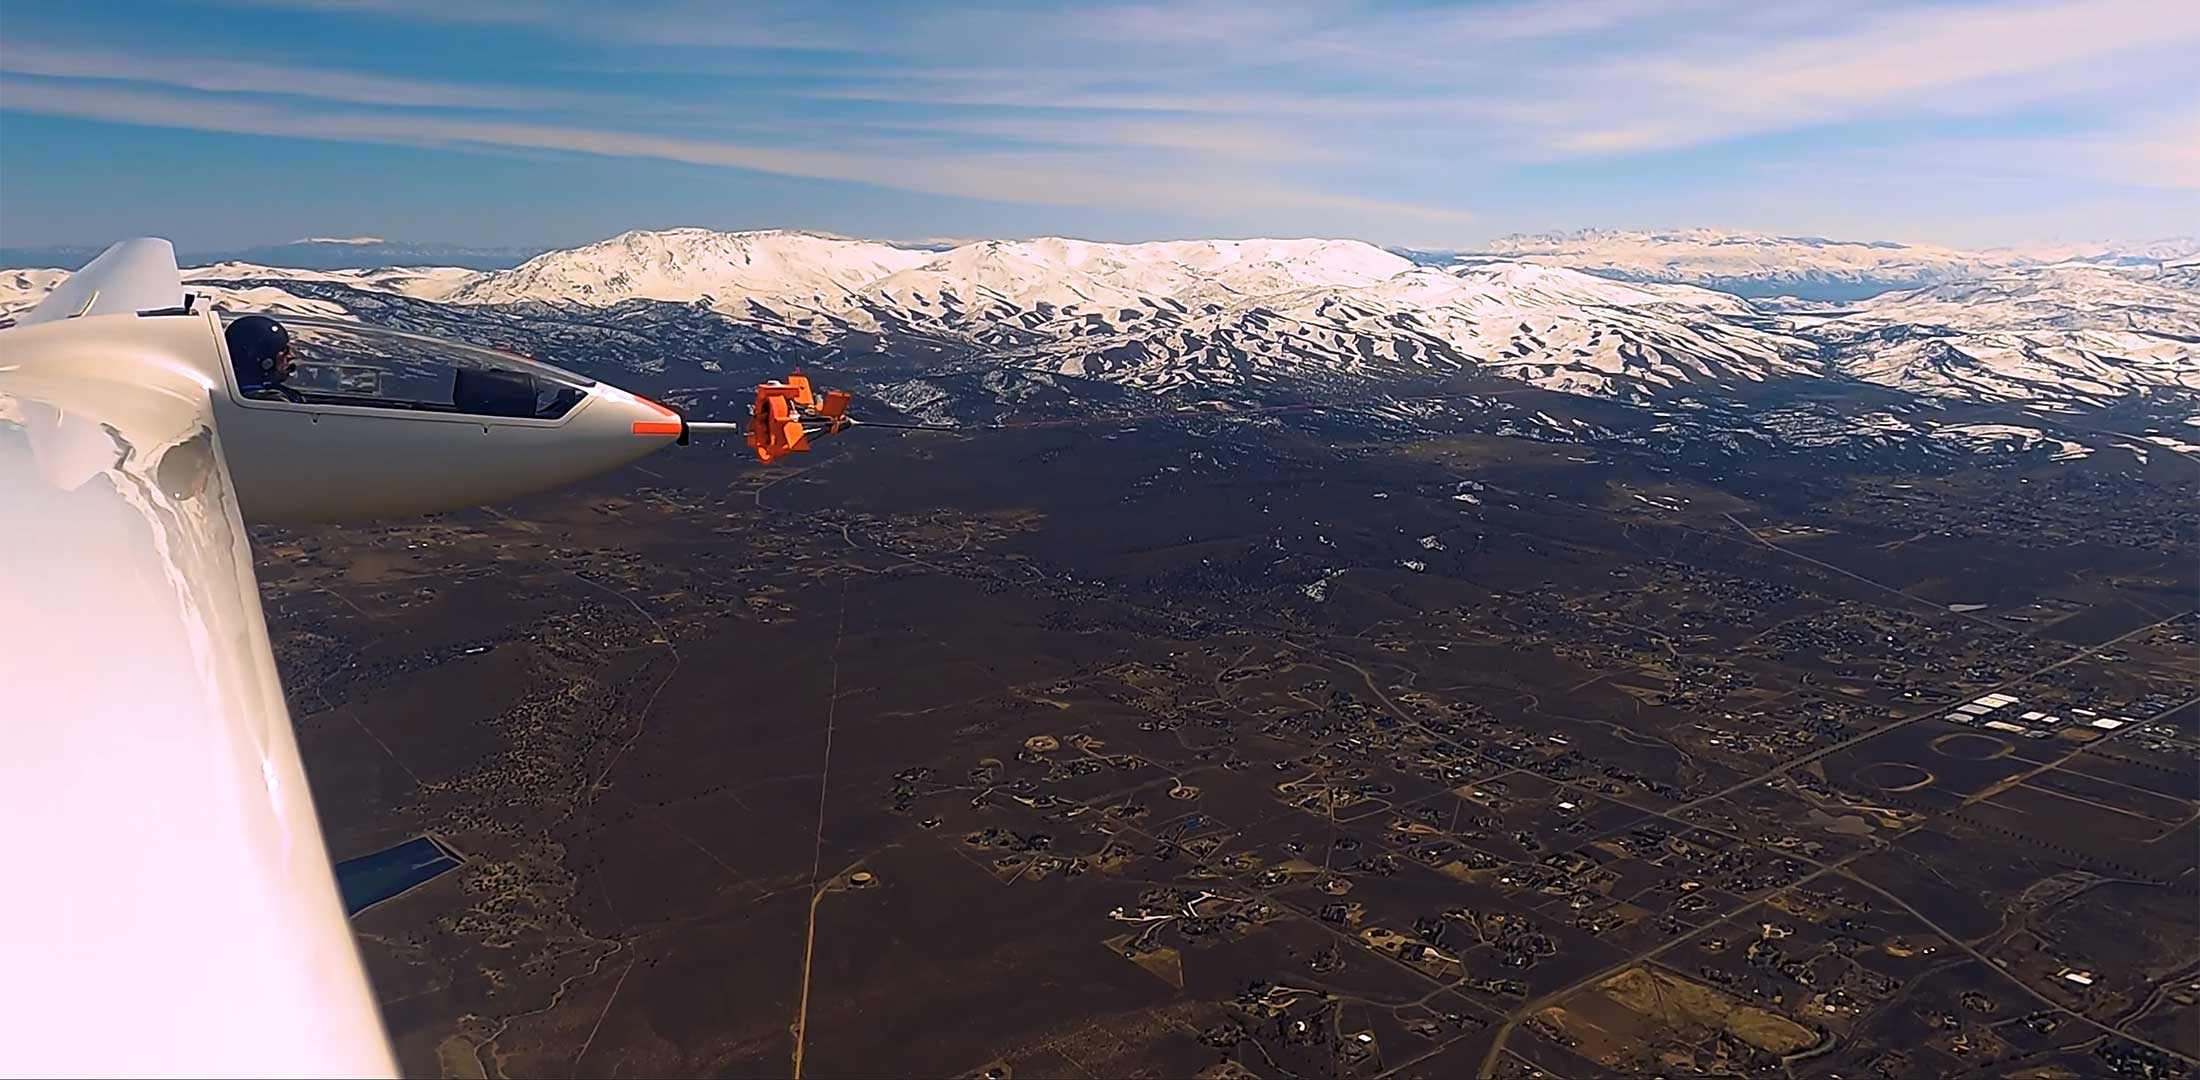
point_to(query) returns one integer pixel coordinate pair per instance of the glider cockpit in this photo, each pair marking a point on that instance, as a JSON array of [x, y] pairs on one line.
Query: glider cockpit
[[335, 364]]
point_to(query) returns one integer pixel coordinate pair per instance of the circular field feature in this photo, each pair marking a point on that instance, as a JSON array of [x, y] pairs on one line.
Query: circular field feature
[[1971, 746], [1894, 776]]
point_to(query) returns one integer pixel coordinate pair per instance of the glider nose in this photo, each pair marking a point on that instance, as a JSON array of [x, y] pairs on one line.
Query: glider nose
[[654, 420]]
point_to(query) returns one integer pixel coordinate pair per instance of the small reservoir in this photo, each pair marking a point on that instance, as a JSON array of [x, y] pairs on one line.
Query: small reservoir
[[370, 879]]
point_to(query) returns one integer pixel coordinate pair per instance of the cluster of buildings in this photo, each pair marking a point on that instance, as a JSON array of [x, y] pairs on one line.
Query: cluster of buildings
[[2001, 712]]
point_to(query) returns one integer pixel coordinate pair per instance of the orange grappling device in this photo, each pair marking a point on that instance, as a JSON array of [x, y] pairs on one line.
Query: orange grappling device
[[789, 413]]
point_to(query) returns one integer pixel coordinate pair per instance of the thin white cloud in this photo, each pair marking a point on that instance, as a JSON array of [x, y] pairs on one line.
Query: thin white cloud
[[1066, 179], [1981, 55], [2159, 151], [2167, 155], [682, 23], [1517, 79], [228, 75], [1313, 110], [1220, 139]]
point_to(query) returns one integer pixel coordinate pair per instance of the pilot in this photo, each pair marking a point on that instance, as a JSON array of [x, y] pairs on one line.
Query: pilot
[[260, 347]]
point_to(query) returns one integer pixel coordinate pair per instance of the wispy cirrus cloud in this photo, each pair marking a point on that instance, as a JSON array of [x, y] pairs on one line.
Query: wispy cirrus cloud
[[235, 75], [1537, 80], [762, 24], [1062, 179], [2003, 54], [2165, 154], [1382, 116], [2159, 150]]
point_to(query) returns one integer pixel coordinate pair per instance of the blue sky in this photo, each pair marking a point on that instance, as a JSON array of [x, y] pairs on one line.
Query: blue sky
[[549, 122]]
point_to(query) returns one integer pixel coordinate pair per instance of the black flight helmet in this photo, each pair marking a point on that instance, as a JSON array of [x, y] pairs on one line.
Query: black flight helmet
[[260, 347]]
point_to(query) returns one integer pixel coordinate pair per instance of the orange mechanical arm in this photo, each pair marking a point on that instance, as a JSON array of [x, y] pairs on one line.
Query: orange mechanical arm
[[788, 413]]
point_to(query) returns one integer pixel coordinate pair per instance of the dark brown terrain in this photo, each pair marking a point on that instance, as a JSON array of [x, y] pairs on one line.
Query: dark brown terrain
[[1169, 750]]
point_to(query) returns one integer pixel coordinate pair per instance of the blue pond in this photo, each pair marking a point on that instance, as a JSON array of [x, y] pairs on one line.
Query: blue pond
[[370, 879]]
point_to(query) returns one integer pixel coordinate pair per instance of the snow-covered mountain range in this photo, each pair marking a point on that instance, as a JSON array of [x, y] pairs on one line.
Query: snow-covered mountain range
[[1248, 321], [1811, 267], [791, 269], [2066, 337]]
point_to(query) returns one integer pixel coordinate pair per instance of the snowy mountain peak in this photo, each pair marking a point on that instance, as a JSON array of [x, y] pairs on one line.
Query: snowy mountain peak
[[1066, 274], [688, 264], [2170, 248], [785, 270], [695, 234], [419, 282], [1503, 284]]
